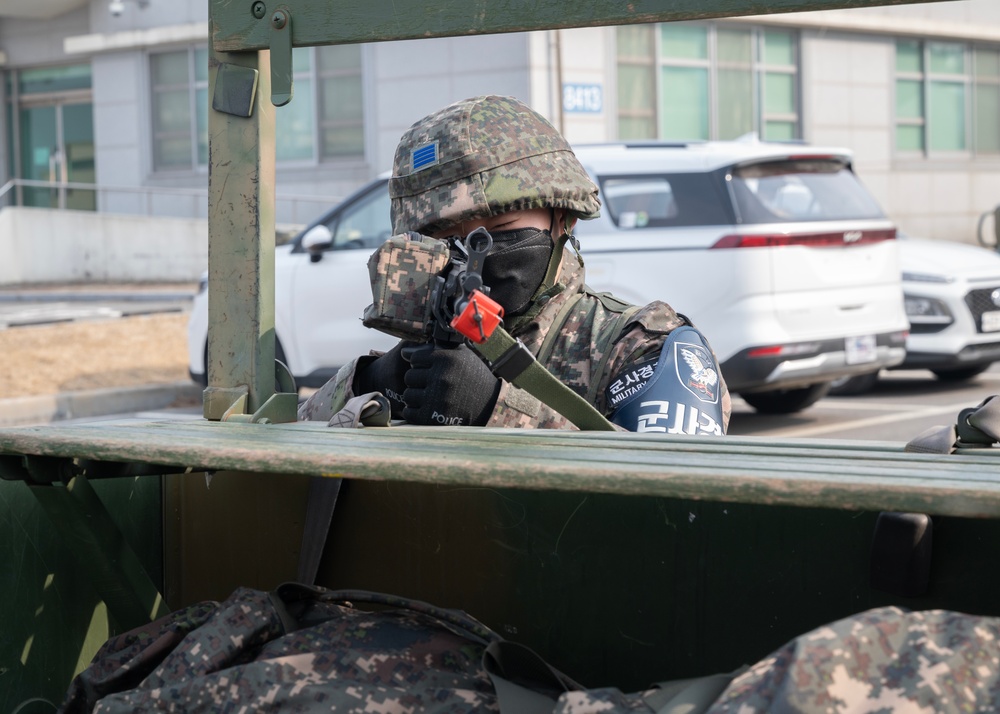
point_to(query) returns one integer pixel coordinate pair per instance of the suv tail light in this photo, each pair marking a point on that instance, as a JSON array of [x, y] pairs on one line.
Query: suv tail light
[[793, 350], [812, 240]]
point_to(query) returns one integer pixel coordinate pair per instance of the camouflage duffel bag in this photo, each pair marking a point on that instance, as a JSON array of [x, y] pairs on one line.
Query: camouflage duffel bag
[[307, 649]]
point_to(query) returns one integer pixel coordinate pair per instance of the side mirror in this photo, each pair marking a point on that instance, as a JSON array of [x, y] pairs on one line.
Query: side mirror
[[316, 240]]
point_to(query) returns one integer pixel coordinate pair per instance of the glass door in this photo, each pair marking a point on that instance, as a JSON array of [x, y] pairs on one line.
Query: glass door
[[52, 135], [77, 154], [57, 146]]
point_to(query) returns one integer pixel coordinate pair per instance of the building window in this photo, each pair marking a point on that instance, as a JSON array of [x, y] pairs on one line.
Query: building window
[[947, 98], [636, 82], [909, 96], [180, 109], [294, 123], [323, 121], [685, 81], [986, 100]]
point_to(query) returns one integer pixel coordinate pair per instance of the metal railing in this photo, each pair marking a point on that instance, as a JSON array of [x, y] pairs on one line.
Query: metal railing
[[159, 201]]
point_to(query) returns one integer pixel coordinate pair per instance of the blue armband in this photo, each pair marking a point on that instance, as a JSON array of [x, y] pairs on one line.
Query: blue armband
[[677, 393]]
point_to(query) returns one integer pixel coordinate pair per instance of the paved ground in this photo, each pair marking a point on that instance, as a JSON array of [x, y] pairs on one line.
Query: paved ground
[[39, 305]]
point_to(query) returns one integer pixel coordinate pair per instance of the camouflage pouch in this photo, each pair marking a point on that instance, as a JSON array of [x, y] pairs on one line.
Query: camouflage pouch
[[403, 274]]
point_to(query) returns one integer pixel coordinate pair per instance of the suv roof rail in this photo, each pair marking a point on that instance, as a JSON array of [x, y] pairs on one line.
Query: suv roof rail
[[641, 144], [655, 144], [667, 144]]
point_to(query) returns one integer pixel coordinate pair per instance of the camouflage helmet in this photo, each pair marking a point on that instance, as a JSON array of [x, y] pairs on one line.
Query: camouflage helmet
[[481, 157]]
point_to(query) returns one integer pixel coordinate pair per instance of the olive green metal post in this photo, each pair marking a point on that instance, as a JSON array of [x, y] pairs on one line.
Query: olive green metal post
[[241, 245]]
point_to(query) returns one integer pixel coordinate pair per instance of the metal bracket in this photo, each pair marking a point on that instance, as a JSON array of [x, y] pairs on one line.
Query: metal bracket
[[279, 408], [230, 404], [221, 402], [235, 89], [37, 470], [280, 38]]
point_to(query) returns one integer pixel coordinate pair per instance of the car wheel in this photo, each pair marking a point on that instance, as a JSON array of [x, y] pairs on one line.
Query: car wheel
[[960, 374], [279, 356], [203, 377], [786, 401], [858, 384], [279, 352]]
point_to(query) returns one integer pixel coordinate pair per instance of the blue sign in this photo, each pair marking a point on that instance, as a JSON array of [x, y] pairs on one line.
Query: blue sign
[[583, 98]]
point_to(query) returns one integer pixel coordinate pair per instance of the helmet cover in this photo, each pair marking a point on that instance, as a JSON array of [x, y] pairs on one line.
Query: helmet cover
[[482, 157]]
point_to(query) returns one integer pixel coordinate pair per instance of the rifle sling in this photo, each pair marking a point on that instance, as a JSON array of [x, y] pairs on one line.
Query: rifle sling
[[512, 361]]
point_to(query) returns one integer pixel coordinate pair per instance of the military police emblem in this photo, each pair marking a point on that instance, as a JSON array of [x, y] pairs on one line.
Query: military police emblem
[[677, 393], [696, 371]]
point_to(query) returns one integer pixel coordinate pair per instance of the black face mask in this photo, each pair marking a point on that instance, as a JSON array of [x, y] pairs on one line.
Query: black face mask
[[516, 266]]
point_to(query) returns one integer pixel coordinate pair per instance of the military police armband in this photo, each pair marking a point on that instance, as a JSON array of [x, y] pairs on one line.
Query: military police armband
[[678, 393], [404, 272]]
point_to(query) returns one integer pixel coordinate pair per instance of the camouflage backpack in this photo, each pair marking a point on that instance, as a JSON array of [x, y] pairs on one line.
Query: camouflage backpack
[[306, 649]]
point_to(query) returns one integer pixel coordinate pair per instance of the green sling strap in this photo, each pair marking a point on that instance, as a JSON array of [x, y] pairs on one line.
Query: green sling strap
[[512, 361]]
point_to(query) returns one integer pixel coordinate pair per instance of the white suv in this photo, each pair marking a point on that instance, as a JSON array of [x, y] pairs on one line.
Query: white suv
[[775, 251]]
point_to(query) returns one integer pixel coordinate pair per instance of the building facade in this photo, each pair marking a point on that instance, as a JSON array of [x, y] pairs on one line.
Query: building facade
[[115, 95]]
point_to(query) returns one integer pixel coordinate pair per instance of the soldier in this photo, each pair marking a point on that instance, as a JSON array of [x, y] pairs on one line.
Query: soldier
[[493, 162]]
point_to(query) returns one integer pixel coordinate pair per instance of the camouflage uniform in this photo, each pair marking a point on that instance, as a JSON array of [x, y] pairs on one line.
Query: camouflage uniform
[[488, 156], [882, 660]]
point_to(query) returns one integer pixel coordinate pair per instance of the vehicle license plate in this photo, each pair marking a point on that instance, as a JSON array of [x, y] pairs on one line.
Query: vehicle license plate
[[991, 321], [860, 349]]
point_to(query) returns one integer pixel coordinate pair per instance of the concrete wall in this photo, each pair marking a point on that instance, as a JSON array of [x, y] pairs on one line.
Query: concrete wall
[[848, 87], [586, 58], [47, 246]]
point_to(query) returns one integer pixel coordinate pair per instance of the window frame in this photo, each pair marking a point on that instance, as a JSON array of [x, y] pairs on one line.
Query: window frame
[[309, 80], [315, 75], [969, 81], [758, 68], [984, 81], [193, 86]]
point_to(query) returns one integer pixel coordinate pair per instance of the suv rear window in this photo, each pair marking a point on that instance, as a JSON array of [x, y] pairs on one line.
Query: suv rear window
[[651, 201], [801, 190]]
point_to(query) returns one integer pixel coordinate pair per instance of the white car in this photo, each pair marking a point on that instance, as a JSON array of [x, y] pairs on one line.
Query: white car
[[776, 252], [321, 289], [952, 297]]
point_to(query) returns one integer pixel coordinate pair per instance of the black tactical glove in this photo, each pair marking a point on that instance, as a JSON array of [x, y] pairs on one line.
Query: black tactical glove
[[385, 374], [449, 387]]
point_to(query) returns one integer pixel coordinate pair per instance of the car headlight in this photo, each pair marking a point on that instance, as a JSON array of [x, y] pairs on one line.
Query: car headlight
[[926, 311]]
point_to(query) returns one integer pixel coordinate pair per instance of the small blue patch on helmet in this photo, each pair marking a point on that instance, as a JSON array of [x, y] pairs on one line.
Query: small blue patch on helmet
[[424, 156]]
